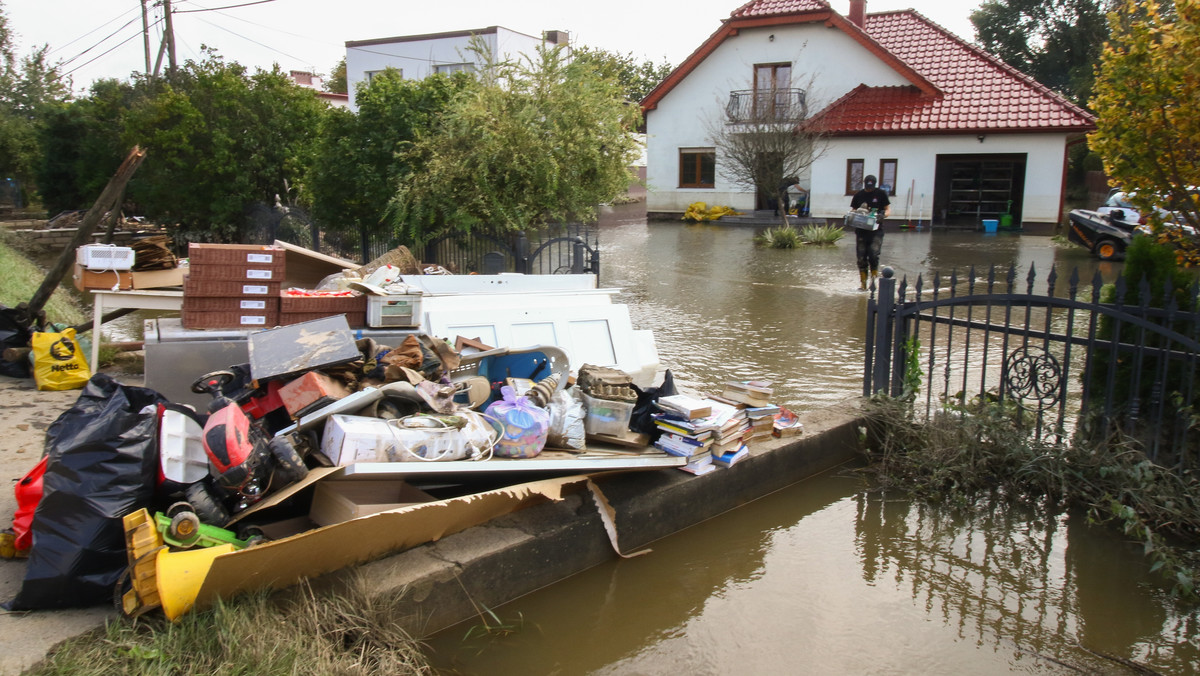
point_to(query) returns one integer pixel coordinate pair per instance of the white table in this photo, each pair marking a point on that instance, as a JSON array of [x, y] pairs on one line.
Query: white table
[[147, 299]]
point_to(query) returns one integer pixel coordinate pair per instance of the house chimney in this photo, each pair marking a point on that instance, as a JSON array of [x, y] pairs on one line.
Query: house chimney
[[858, 13]]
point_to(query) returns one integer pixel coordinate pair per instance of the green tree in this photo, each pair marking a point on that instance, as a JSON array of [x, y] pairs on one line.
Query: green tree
[[1147, 98], [638, 77], [28, 87], [1057, 42], [81, 145], [536, 142], [336, 82], [361, 157], [221, 141]]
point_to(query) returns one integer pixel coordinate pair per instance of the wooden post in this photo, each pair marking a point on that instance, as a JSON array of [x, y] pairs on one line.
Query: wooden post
[[106, 202]]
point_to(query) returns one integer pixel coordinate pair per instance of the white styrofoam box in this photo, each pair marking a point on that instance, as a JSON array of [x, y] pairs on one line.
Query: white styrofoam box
[[104, 257], [354, 438], [181, 441]]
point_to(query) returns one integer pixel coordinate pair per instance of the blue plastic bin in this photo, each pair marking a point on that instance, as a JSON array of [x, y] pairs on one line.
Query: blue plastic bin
[[991, 225]]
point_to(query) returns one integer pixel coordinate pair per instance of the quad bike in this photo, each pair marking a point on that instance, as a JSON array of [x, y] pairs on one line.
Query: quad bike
[[243, 463]]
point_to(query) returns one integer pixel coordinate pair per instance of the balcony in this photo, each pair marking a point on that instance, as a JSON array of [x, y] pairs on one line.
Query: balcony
[[766, 105]]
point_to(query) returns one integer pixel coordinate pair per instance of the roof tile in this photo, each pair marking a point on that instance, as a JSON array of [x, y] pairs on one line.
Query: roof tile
[[777, 7]]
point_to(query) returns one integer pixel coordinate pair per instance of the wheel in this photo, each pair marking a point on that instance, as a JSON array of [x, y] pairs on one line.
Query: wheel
[[1108, 250], [289, 466], [184, 529], [178, 508], [212, 383], [206, 505]]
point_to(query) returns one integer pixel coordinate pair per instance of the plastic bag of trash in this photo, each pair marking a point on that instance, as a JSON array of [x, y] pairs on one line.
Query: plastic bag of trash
[[13, 334], [642, 420], [58, 361], [567, 417], [101, 465], [524, 425]]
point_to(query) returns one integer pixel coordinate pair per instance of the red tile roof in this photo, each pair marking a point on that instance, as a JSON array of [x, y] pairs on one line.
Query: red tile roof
[[981, 93], [774, 7], [956, 87]]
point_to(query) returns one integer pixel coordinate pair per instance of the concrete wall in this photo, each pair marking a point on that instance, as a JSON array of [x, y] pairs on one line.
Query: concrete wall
[[445, 582]]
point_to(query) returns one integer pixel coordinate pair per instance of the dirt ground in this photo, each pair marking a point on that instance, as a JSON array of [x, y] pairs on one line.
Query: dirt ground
[[26, 637]]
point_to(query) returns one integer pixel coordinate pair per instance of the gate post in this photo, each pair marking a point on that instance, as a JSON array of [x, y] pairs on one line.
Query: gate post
[[885, 315], [577, 254], [522, 253]]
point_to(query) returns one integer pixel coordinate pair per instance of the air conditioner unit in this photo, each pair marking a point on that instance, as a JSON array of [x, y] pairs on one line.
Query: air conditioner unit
[[104, 257]]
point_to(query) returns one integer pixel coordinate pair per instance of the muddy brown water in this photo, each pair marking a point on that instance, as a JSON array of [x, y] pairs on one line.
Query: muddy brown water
[[822, 578]]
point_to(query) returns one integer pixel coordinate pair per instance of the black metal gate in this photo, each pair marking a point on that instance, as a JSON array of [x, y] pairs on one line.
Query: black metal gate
[[568, 249], [1100, 362]]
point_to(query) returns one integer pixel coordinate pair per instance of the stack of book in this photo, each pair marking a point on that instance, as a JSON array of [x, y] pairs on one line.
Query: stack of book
[[728, 459], [752, 393], [762, 420], [686, 430], [732, 428]]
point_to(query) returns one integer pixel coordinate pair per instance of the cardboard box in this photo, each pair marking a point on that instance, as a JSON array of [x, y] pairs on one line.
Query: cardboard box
[[101, 280], [338, 501], [354, 320], [228, 288], [157, 279], [250, 319]]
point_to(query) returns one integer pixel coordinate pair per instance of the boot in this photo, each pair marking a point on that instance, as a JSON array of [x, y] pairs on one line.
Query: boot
[[874, 274], [862, 278]]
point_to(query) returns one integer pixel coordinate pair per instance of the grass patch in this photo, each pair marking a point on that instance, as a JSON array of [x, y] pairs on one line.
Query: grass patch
[[20, 278], [785, 237], [347, 633], [821, 234]]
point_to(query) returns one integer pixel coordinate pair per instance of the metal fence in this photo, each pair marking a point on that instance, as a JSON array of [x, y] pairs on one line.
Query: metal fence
[[1100, 362]]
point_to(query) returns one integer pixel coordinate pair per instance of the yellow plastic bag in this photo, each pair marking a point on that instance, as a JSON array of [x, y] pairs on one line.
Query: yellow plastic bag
[[58, 361]]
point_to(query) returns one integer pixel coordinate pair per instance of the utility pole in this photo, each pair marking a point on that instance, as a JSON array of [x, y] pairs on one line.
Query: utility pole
[[169, 37], [146, 36]]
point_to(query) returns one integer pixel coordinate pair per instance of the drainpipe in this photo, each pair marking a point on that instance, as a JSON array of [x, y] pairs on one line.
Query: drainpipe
[[858, 13]]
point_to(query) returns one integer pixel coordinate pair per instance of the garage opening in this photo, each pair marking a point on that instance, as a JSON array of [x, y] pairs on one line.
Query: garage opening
[[969, 189]]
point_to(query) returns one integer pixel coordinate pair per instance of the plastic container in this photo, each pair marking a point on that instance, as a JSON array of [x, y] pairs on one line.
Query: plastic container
[[605, 416], [394, 311], [991, 225]]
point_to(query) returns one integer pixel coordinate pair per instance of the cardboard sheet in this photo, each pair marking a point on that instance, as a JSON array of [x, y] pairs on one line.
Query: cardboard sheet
[[285, 562]]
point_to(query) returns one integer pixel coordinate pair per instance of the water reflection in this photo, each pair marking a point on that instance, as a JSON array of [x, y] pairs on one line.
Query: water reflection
[[823, 578]]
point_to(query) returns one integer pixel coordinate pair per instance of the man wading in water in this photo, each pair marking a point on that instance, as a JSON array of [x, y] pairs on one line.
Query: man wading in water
[[868, 243]]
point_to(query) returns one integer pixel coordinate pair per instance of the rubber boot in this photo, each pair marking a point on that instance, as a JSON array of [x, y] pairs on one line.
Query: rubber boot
[[862, 278]]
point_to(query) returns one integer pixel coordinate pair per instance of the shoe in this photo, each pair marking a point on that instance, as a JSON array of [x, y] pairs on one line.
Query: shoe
[[862, 278]]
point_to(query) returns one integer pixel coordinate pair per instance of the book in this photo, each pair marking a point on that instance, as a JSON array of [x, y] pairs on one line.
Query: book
[[761, 388], [786, 424], [681, 447], [699, 465], [756, 412], [750, 399], [732, 457], [687, 406]]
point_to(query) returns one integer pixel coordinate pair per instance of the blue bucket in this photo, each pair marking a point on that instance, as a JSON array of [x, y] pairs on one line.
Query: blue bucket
[[991, 225]]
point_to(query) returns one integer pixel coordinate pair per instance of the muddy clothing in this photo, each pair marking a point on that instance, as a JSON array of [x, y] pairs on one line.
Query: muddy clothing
[[868, 243]]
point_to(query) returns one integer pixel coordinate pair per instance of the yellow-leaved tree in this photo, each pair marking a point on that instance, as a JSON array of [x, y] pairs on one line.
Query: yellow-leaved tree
[[1147, 99]]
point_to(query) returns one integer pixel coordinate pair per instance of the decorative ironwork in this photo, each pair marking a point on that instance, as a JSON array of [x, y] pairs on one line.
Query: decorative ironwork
[[1031, 373], [766, 105]]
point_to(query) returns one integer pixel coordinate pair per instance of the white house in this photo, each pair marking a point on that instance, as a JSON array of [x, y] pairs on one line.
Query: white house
[[948, 129], [418, 56]]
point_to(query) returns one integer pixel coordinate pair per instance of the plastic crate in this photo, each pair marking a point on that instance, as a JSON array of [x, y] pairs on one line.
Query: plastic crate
[[394, 311], [605, 416]]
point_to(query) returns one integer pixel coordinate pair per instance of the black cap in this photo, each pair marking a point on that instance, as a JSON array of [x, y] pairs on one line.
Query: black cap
[[869, 181]]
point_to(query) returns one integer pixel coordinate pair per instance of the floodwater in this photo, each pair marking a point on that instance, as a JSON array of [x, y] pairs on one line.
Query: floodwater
[[821, 577]]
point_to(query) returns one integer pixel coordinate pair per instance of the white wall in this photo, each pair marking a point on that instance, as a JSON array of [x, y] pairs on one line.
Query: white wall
[[417, 58], [826, 62], [917, 161]]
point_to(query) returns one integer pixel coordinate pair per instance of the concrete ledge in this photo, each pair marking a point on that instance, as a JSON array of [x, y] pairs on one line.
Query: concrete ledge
[[444, 582]]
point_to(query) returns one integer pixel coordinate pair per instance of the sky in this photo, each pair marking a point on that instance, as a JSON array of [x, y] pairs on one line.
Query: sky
[[96, 39]]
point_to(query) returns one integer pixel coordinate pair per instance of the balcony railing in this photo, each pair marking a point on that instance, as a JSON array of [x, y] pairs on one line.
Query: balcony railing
[[766, 105]]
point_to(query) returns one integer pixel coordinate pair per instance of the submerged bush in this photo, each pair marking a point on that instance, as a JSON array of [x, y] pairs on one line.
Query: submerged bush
[[779, 238], [821, 234]]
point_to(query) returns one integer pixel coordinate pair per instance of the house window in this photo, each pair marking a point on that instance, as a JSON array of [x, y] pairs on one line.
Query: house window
[[887, 176], [371, 74], [697, 167], [772, 84], [448, 68], [854, 176]]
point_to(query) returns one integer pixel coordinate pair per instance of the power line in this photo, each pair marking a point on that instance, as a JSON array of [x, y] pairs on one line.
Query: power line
[[105, 53], [102, 41], [214, 9], [296, 58], [115, 18]]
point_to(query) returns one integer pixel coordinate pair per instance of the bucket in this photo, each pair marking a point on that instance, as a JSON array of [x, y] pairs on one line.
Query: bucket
[[990, 225], [1006, 221]]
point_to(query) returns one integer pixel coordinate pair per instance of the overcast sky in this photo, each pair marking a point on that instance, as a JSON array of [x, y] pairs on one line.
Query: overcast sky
[[102, 38]]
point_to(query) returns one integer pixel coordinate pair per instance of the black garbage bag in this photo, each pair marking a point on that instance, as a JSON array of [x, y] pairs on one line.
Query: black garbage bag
[[641, 420], [101, 465], [13, 334]]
